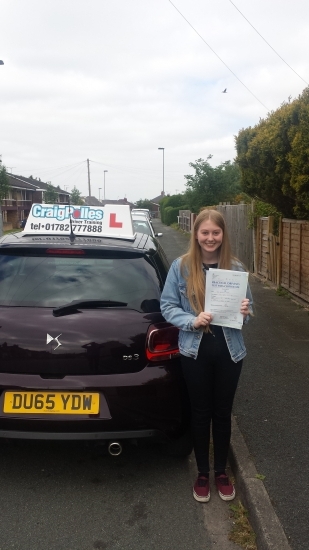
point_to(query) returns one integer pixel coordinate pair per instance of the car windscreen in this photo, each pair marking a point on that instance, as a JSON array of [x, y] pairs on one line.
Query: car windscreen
[[52, 281]]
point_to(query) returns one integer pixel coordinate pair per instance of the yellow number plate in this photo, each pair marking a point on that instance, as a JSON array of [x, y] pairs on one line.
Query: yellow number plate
[[51, 403]]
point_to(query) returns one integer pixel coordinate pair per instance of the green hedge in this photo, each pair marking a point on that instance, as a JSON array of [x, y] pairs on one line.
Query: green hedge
[[162, 209], [171, 215]]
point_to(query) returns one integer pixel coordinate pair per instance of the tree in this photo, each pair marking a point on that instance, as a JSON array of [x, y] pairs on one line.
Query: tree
[[50, 195], [273, 157], [4, 183], [211, 185], [173, 200], [76, 197], [144, 203], [4, 190], [170, 206]]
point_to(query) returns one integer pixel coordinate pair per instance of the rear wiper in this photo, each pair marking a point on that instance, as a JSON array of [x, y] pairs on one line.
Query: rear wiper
[[86, 304]]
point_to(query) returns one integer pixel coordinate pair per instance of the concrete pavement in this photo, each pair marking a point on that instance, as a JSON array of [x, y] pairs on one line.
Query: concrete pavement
[[270, 415]]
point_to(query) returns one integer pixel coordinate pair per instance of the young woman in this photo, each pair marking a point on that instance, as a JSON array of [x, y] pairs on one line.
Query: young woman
[[211, 355]]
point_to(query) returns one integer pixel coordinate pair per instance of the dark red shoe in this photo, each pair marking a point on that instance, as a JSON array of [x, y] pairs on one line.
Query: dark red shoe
[[225, 488], [201, 490]]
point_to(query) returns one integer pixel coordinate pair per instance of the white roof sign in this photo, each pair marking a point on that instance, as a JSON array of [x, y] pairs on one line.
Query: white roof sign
[[112, 220]]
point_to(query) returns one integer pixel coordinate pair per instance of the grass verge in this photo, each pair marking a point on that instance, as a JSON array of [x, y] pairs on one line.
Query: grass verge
[[242, 532], [282, 292], [11, 231], [178, 228]]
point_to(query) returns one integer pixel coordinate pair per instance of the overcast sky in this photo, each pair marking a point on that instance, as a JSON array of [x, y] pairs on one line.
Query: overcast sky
[[113, 80]]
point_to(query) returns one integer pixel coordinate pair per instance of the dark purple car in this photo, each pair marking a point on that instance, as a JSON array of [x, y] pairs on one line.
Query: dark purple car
[[84, 350]]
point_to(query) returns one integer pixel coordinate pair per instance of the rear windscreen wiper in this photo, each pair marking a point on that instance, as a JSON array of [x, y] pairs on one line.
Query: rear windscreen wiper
[[85, 304]]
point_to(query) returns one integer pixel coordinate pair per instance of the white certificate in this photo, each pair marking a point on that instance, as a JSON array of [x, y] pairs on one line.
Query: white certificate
[[225, 289]]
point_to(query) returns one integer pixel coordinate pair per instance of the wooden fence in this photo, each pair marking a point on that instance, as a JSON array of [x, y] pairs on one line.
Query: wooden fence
[[237, 218], [295, 257], [284, 259], [186, 220], [267, 250]]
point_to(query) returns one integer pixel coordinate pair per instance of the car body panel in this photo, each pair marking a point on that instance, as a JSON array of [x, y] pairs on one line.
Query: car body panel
[[89, 349]]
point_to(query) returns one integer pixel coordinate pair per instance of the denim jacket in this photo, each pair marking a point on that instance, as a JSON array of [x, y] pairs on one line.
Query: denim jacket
[[176, 309]]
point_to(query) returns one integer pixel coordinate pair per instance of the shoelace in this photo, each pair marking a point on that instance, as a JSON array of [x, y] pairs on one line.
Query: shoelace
[[224, 480], [202, 481]]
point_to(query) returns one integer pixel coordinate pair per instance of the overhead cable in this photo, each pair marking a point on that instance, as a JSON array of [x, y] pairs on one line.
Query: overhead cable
[[202, 38], [273, 49]]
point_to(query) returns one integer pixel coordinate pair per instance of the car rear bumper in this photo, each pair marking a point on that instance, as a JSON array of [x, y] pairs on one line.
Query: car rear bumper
[[148, 404], [69, 436]]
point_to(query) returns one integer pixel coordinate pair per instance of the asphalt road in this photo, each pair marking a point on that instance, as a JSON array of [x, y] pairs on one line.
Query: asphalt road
[[271, 404], [71, 496]]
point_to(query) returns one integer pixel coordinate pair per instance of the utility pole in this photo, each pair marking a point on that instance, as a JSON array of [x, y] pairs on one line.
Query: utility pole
[[104, 183], [89, 187], [162, 149]]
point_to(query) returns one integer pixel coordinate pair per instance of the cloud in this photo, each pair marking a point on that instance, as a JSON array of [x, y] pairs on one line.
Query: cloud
[[113, 81]]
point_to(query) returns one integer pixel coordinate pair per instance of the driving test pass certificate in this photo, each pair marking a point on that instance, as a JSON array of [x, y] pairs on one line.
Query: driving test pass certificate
[[225, 289]]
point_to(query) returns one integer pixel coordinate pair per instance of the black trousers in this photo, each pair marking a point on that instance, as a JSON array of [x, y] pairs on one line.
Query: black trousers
[[211, 380]]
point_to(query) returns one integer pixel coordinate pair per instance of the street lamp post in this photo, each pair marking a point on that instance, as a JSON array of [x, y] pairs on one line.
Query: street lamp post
[[162, 149], [100, 193], [104, 182]]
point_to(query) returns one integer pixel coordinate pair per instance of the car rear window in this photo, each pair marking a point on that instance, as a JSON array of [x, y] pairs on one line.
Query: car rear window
[[48, 281], [141, 227]]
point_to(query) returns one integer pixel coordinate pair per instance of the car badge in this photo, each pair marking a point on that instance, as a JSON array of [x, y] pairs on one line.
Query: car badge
[[50, 339]]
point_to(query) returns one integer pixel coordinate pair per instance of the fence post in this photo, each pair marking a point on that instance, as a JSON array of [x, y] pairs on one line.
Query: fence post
[[270, 225], [192, 220], [258, 244], [254, 239]]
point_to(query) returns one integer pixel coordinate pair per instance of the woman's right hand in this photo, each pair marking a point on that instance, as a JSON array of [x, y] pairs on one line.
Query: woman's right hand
[[203, 319]]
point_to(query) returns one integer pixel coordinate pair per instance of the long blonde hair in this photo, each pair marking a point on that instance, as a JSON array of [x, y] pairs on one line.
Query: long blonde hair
[[191, 263]]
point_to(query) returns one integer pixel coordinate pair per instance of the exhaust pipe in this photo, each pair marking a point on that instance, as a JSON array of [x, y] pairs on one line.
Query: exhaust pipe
[[114, 448]]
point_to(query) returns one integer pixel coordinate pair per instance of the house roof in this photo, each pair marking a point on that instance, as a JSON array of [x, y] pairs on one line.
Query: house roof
[[31, 183], [156, 200], [117, 201], [92, 201], [20, 183]]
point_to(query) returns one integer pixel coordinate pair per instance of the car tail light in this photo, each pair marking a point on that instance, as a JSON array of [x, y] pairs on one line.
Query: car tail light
[[162, 342]]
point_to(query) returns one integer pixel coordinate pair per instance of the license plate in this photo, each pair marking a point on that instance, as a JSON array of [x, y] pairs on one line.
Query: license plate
[[51, 403]]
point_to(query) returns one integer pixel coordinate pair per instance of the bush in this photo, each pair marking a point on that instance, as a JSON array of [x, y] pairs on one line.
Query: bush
[[263, 209], [169, 214]]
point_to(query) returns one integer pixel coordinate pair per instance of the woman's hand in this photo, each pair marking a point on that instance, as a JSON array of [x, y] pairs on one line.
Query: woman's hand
[[244, 308], [203, 319]]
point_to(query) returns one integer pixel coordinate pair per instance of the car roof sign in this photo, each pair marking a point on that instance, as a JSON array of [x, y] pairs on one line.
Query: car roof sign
[[112, 220]]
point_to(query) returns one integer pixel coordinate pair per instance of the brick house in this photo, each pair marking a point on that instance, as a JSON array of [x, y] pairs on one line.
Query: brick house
[[22, 194], [155, 210]]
